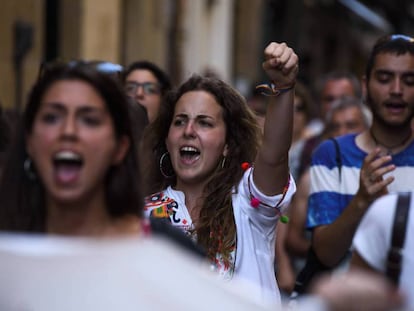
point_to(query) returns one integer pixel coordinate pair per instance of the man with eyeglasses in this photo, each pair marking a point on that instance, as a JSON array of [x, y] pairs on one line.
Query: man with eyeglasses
[[374, 162], [146, 84]]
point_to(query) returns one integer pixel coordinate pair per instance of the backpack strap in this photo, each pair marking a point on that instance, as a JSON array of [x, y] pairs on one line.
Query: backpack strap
[[338, 158], [306, 155], [394, 260]]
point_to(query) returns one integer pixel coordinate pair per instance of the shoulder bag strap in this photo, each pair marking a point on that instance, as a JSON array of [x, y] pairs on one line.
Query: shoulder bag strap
[[394, 260], [338, 157]]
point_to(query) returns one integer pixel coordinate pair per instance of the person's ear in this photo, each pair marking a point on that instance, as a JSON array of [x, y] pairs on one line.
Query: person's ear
[[122, 149]]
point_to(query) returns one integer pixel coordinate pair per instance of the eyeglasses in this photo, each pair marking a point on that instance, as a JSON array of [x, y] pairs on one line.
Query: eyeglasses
[[101, 66], [149, 88], [299, 108]]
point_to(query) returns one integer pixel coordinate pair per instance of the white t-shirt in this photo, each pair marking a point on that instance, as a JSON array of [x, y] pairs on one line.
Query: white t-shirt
[[255, 249], [373, 239], [49, 273]]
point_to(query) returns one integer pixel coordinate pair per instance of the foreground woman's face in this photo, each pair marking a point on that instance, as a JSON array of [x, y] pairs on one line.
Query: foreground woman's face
[[73, 142]]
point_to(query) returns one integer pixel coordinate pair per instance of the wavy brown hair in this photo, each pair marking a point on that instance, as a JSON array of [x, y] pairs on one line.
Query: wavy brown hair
[[215, 228]]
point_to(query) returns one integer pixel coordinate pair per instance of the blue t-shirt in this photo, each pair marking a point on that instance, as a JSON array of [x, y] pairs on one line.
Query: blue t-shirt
[[332, 189]]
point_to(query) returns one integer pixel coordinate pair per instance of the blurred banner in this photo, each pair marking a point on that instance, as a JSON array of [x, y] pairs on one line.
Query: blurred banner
[[51, 273]]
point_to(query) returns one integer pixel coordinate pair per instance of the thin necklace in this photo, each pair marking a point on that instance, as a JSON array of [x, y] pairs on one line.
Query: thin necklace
[[388, 147]]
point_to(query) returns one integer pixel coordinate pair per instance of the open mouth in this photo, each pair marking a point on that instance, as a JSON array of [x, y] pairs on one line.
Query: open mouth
[[189, 154], [395, 106], [67, 166]]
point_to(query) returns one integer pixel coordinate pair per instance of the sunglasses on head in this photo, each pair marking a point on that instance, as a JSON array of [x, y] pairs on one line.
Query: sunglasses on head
[[105, 67]]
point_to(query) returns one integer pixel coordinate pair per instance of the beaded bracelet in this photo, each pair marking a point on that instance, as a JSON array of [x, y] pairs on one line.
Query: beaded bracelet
[[273, 90], [255, 202]]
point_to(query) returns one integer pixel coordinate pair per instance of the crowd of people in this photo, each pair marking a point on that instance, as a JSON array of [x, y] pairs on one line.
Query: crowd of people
[[249, 188]]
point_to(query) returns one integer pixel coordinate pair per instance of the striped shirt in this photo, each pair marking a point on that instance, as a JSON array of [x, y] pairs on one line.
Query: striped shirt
[[332, 190]]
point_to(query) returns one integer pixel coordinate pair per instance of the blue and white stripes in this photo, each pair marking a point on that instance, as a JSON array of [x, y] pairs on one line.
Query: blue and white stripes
[[330, 194]]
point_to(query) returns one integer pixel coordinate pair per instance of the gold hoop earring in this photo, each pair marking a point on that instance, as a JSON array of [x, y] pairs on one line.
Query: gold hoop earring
[[223, 162], [170, 173]]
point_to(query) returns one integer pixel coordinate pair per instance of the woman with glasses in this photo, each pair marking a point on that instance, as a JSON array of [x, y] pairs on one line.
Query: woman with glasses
[[215, 181], [147, 84]]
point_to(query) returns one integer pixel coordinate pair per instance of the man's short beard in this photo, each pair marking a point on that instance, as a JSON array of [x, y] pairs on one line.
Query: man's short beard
[[380, 120]]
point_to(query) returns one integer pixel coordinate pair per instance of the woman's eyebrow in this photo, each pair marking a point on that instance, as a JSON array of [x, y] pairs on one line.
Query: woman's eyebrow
[[54, 105]]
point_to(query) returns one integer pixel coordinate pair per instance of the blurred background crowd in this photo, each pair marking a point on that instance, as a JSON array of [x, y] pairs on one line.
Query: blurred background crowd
[[224, 37]]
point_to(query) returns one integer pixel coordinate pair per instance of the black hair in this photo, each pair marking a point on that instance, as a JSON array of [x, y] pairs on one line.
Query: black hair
[[396, 44]]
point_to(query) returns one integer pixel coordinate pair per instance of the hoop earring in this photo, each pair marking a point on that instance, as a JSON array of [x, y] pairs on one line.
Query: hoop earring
[[162, 170], [223, 162], [28, 169]]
